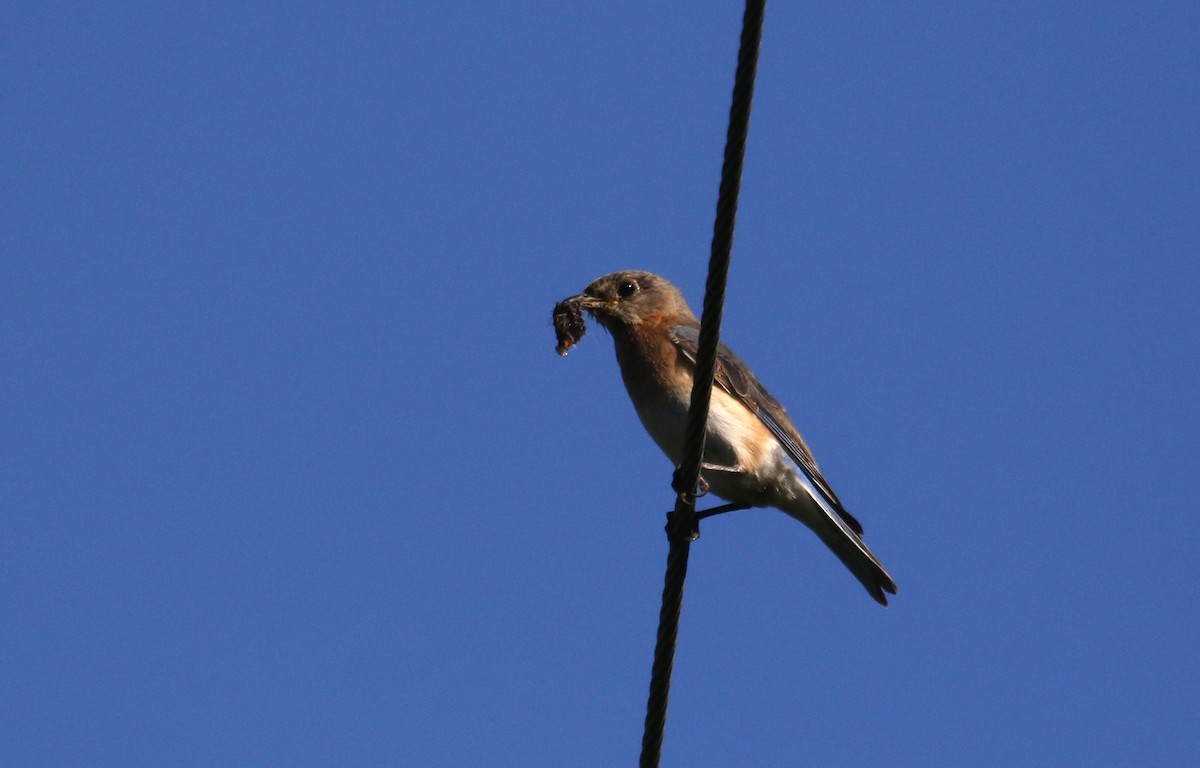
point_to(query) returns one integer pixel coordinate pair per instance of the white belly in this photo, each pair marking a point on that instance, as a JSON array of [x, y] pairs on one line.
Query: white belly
[[735, 439]]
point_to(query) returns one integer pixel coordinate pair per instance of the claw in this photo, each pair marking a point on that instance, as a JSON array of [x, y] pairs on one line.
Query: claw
[[690, 532]]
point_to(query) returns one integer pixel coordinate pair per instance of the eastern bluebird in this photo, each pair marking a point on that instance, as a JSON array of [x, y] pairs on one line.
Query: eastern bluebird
[[754, 456]]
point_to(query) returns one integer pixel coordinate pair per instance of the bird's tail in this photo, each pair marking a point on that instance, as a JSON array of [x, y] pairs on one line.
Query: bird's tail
[[847, 545], [862, 563]]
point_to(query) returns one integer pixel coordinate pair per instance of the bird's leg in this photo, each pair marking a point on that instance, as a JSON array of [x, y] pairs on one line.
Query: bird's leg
[[701, 484], [721, 510], [724, 507], [706, 467], [702, 489], [720, 468]]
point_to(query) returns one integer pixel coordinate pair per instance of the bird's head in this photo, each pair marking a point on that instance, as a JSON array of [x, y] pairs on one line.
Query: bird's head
[[624, 300]]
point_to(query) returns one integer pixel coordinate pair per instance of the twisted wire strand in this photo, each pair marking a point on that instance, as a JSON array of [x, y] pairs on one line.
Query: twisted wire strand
[[682, 527]]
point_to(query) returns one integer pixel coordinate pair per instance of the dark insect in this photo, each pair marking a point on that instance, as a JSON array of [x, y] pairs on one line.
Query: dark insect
[[568, 324]]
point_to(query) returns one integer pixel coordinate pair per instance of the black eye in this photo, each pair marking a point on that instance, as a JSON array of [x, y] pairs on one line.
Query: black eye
[[626, 289]]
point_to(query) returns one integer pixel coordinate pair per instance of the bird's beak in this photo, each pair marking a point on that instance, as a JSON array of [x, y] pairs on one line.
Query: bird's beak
[[591, 303]]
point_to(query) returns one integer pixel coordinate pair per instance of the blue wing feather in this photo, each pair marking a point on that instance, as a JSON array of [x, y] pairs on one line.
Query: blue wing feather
[[735, 377]]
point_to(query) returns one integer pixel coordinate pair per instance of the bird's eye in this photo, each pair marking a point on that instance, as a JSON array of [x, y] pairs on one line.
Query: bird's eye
[[626, 289]]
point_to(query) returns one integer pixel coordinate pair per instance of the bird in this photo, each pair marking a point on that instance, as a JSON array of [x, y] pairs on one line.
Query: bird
[[754, 456]]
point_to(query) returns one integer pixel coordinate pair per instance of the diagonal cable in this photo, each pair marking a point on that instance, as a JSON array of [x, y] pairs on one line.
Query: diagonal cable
[[682, 527]]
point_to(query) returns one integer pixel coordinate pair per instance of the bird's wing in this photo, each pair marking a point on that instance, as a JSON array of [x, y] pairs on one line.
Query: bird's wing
[[733, 376]]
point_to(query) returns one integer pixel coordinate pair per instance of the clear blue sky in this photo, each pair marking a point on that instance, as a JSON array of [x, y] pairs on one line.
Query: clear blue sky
[[291, 475]]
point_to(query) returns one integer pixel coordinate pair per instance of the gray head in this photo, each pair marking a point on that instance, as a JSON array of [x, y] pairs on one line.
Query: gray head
[[623, 300]]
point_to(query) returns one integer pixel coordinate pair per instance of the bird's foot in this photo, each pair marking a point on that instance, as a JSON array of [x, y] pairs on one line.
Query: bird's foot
[[689, 530], [691, 493]]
